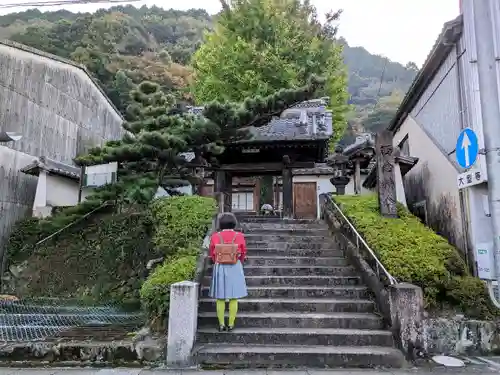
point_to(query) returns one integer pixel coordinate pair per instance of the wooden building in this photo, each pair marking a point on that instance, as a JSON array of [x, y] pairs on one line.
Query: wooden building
[[292, 148]]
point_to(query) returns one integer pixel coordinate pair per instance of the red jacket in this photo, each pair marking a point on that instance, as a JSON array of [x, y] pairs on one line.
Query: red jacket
[[227, 236]]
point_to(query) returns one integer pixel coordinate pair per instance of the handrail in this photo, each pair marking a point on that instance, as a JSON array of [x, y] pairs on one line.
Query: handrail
[[392, 280], [71, 224]]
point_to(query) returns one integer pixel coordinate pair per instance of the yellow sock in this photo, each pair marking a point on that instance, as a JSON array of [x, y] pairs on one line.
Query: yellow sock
[[233, 310], [220, 304]]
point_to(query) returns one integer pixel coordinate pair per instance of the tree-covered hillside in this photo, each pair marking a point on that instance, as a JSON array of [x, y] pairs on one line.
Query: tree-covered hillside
[[124, 45]]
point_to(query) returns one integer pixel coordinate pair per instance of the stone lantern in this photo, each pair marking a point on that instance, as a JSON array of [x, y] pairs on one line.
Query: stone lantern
[[339, 164]]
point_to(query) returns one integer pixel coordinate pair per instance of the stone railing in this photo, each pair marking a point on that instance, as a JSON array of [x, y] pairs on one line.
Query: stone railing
[[183, 312], [400, 304]]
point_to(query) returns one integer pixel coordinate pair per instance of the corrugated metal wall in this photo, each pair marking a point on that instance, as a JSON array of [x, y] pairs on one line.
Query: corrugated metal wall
[[438, 110], [60, 113]]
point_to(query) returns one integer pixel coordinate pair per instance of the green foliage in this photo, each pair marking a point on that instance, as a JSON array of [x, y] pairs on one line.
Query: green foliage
[[155, 292], [134, 41], [103, 259], [413, 253], [149, 155], [181, 222], [22, 239], [252, 38]]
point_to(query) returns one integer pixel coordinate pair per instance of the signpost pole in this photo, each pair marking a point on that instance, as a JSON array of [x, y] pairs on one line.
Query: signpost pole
[[488, 87]]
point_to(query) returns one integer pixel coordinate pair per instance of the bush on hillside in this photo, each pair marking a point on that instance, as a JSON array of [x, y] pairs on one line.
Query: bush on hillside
[[181, 222], [27, 232], [414, 253], [104, 259]]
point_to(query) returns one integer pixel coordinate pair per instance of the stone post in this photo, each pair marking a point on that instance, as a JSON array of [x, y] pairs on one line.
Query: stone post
[[386, 184], [357, 176], [287, 177], [406, 303], [228, 192], [182, 323]]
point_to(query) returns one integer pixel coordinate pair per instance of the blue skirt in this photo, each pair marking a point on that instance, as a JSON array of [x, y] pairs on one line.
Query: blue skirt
[[228, 282]]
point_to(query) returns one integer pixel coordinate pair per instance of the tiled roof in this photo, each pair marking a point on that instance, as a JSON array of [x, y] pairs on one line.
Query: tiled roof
[[363, 142], [306, 125], [52, 166], [314, 103]]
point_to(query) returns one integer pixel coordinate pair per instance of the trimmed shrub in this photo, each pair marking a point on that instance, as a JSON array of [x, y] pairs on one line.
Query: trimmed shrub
[[155, 292], [180, 226], [414, 253], [181, 222]]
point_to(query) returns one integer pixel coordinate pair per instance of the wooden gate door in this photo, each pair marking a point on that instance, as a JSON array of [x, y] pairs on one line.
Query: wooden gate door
[[305, 200]]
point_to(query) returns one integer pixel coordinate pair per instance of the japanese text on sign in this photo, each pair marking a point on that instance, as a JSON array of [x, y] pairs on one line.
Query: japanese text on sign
[[470, 178]]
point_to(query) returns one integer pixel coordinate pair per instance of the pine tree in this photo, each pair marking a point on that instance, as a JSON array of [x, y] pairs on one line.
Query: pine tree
[[150, 153]]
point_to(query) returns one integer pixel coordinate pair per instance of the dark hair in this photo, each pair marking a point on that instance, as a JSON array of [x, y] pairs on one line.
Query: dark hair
[[227, 220]]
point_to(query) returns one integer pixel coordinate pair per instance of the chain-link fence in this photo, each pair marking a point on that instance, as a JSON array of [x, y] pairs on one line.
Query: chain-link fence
[[45, 319]]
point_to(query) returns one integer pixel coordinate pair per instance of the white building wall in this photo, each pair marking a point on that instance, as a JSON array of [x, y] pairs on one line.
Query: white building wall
[[433, 180], [55, 191], [60, 113], [438, 109], [349, 189]]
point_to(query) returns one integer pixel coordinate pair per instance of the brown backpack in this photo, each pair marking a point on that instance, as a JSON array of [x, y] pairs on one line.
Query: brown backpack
[[226, 253]]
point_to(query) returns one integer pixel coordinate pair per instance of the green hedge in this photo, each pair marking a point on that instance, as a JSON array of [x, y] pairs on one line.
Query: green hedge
[[155, 292], [181, 222], [413, 253]]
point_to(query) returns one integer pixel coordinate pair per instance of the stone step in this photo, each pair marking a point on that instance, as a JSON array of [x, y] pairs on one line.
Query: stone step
[[295, 271], [303, 292], [253, 260], [289, 226], [297, 336], [285, 245], [271, 238], [325, 252], [283, 356], [271, 219], [297, 280], [286, 232], [298, 320], [320, 305]]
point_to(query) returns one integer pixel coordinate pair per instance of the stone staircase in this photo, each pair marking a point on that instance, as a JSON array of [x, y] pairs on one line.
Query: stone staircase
[[306, 306]]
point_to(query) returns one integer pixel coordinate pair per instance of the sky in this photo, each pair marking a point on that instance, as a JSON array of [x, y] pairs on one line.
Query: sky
[[402, 30]]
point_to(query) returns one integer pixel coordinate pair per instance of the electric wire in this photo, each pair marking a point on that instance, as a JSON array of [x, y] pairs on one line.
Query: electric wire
[[38, 4]]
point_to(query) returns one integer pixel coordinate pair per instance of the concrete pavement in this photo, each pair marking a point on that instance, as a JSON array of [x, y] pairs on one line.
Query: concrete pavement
[[474, 369]]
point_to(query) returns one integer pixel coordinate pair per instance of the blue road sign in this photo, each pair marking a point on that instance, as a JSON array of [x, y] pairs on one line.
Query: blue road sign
[[467, 148]]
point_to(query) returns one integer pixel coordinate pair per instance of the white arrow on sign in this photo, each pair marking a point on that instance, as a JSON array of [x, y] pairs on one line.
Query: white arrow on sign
[[465, 146]]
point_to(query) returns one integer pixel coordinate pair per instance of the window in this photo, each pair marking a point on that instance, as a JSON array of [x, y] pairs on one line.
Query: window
[[243, 201], [404, 146]]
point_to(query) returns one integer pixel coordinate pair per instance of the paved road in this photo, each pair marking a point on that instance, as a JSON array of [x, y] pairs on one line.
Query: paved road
[[436, 371]]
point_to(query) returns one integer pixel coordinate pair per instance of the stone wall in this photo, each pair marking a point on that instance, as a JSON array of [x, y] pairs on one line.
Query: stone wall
[[60, 113], [459, 336]]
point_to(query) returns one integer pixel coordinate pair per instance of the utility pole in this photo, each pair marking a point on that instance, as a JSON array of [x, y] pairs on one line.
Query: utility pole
[[487, 53]]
